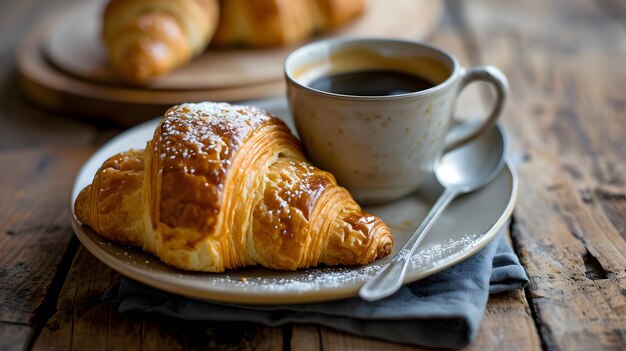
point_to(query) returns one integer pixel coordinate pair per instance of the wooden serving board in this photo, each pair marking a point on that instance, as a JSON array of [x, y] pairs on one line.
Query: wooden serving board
[[62, 66], [74, 46], [56, 90]]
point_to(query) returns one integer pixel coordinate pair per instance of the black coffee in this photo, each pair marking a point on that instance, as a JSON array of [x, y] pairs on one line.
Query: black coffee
[[371, 83]]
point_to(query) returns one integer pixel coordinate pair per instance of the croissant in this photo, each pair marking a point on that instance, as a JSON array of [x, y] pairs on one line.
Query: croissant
[[222, 186], [262, 23], [147, 38], [330, 14]]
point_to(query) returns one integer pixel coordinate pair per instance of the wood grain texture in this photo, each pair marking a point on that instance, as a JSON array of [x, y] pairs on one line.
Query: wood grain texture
[[34, 228], [566, 112], [305, 338], [21, 124], [83, 321], [34, 183], [508, 321]]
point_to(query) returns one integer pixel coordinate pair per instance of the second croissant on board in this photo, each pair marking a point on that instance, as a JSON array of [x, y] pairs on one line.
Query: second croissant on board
[[263, 23], [221, 186], [147, 38]]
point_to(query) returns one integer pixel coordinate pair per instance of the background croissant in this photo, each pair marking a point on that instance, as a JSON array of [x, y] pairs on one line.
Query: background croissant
[[261, 23], [220, 187], [147, 38]]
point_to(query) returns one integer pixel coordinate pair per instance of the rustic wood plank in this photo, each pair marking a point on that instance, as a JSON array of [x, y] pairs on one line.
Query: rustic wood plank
[[15, 336], [579, 301], [34, 187], [34, 228], [567, 111], [83, 321], [21, 124], [305, 338], [332, 340], [507, 322]]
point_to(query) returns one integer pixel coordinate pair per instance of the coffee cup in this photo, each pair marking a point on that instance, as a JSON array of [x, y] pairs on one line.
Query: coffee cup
[[377, 112]]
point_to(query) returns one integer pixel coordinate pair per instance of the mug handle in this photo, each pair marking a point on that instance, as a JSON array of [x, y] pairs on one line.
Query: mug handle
[[498, 80]]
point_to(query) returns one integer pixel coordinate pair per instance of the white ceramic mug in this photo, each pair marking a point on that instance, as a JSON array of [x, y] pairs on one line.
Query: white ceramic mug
[[381, 147]]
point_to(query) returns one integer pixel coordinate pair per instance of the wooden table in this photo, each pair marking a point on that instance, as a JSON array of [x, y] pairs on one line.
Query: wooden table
[[566, 116]]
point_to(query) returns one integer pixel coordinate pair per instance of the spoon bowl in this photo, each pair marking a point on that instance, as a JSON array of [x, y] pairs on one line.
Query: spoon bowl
[[462, 170], [475, 164]]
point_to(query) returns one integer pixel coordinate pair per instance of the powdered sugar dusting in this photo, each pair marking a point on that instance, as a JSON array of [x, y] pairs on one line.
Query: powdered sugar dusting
[[445, 250], [312, 279], [291, 190], [322, 278], [196, 144], [194, 130]]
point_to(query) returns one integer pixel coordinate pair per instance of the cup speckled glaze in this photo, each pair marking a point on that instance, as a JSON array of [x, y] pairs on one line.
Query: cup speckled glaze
[[381, 147]]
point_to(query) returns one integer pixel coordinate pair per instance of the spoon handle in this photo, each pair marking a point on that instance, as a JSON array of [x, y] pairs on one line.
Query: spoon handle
[[389, 280]]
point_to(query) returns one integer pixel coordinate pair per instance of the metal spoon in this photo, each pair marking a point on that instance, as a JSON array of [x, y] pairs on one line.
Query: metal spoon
[[460, 171]]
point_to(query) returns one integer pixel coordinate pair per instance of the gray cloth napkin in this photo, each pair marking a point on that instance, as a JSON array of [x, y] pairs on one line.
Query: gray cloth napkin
[[442, 311]]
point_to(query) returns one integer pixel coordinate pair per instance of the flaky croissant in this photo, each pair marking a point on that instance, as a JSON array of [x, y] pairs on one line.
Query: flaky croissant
[[147, 38], [262, 23], [222, 186]]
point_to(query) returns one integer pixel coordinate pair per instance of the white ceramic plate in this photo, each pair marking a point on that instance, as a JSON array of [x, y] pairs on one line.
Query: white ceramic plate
[[465, 227]]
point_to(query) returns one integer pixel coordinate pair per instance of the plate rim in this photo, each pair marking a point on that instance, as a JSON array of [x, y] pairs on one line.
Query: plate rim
[[268, 297]]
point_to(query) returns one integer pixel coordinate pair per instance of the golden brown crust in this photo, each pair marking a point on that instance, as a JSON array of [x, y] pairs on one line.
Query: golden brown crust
[[334, 13], [113, 204], [222, 186], [195, 146], [262, 23], [284, 230], [358, 238], [147, 38], [305, 219]]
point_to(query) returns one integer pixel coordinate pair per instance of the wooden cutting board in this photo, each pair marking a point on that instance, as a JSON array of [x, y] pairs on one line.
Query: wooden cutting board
[[74, 46], [62, 64], [56, 90]]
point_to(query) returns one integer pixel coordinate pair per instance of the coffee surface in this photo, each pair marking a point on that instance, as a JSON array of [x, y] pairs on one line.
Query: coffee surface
[[371, 83]]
